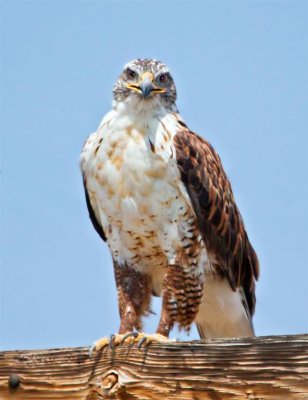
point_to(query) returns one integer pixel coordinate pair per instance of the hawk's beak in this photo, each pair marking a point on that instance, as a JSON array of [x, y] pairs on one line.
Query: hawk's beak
[[146, 85]]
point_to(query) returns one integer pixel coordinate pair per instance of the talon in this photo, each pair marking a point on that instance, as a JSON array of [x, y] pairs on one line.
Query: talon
[[133, 334], [141, 341], [91, 349], [132, 337], [111, 341], [98, 345]]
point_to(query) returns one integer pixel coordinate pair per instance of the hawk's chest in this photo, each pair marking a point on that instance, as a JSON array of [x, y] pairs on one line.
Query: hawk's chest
[[136, 192], [134, 162], [133, 171]]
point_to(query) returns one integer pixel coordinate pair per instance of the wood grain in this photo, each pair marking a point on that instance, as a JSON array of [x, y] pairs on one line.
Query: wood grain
[[273, 367]]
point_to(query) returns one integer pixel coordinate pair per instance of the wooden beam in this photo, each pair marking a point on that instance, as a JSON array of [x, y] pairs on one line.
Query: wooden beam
[[273, 367]]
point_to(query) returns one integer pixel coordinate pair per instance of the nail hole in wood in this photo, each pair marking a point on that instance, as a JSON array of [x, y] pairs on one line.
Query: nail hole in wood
[[14, 381]]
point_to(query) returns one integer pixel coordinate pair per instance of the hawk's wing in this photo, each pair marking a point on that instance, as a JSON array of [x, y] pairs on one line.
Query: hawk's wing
[[85, 154], [92, 215], [219, 220]]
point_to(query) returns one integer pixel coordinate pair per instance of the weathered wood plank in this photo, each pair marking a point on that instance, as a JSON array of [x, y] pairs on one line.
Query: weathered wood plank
[[273, 367]]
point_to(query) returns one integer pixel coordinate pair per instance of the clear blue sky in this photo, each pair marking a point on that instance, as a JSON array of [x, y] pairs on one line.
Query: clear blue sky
[[241, 71]]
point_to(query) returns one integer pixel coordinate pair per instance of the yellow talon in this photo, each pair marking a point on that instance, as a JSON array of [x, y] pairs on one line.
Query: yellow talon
[[141, 339], [99, 345], [154, 338]]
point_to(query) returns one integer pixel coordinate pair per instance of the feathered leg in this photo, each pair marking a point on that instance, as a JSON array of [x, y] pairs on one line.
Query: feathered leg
[[182, 295], [134, 301], [134, 297]]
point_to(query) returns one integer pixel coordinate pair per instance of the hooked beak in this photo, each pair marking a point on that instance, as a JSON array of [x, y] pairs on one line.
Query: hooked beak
[[146, 86]]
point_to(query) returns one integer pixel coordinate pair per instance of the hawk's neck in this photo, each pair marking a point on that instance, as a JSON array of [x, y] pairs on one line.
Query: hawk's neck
[[141, 113]]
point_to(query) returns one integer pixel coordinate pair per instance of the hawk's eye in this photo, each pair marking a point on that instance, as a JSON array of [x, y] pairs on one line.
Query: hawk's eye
[[163, 78], [130, 73]]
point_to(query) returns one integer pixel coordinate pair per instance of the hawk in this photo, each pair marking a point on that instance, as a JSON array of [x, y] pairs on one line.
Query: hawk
[[158, 195]]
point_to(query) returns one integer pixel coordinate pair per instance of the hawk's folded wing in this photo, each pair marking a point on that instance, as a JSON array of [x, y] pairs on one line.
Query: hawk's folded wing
[[95, 222], [218, 217]]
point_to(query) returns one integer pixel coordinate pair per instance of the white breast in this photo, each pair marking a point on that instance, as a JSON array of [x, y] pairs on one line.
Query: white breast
[[135, 189]]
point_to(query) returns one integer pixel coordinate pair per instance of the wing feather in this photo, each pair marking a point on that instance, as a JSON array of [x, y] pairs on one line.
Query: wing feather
[[92, 215], [219, 219]]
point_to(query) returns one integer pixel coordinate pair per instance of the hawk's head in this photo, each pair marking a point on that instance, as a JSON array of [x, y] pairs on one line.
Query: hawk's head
[[145, 82]]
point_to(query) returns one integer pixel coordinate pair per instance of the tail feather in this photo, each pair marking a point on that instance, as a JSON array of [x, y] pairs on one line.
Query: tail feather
[[223, 312]]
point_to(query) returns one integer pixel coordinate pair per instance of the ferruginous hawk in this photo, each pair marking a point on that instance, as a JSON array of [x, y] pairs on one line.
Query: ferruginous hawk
[[158, 195]]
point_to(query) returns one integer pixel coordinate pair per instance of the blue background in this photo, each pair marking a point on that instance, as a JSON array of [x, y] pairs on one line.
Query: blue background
[[241, 73]]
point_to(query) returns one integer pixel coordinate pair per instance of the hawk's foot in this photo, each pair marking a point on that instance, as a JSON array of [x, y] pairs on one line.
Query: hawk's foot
[[111, 342], [144, 340], [141, 339]]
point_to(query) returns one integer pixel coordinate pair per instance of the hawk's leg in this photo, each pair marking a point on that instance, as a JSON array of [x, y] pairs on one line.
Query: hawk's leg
[[182, 295], [134, 301], [167, 319], [169, 304], [134, 297]]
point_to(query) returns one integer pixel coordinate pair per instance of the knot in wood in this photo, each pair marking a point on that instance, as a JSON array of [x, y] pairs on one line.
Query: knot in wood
[[104, 387], [109, 381]]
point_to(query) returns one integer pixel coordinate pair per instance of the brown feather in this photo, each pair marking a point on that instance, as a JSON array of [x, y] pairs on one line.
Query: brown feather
[[218, 217]]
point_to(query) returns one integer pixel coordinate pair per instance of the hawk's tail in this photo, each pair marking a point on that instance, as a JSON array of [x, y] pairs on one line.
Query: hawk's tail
[[223, 312]]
